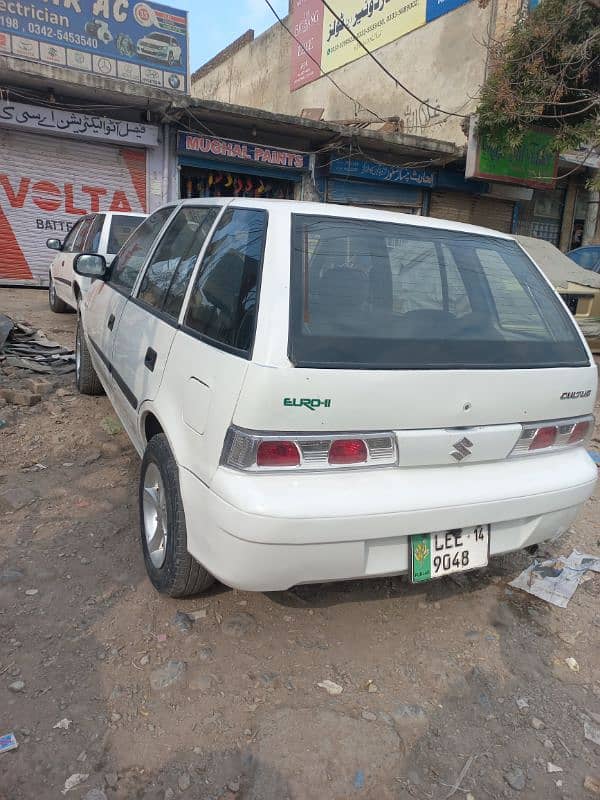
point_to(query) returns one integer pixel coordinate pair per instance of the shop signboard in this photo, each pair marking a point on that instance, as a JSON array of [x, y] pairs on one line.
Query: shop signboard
[[214, 147], [326, 39], [142, 42], [532, 164], [369, 170]]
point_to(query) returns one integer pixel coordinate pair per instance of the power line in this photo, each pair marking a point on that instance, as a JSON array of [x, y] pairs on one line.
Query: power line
[[329, 78], [386, 70]]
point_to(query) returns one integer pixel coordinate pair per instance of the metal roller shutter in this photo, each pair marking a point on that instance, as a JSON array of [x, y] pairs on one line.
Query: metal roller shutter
[[47, 183], [472, 209]]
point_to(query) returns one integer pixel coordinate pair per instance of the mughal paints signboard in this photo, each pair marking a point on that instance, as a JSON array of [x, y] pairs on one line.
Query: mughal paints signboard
[[325, 41], [235, 151], [143, 42]]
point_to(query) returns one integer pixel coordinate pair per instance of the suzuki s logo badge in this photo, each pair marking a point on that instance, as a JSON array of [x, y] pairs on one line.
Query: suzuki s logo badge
[[462, 449]]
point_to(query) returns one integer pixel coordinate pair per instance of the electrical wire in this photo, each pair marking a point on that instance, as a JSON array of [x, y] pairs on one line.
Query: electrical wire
[[386, 70], [324, 74]]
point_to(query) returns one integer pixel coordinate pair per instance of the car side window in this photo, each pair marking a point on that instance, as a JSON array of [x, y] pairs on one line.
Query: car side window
[[166, 278], [223, 302], [79, 242], [69, 242], [92, 242], [128, 263]]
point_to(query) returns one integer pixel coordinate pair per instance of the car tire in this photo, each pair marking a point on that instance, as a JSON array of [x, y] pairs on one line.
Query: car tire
[[86, 377], [56, 304], [171, 569]]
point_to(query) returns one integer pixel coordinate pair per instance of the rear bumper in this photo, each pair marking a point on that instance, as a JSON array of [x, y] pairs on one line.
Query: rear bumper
[[270, 532]]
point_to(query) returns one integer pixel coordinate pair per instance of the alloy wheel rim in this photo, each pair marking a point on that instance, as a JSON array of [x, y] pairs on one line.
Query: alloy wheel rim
[[154, 511]]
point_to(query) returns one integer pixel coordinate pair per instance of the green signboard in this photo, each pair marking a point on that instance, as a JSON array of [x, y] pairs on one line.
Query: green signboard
[[532, 164]]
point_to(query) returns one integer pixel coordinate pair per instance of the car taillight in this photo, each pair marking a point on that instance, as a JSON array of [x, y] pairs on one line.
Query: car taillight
[[277, 454], [348, 451], [254, 452], [555, 436]]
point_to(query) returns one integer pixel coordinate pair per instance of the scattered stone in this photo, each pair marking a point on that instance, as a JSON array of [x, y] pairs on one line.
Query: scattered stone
[[196, 615], [63, 724], [182, 622], [82, 756], [234, 786], [95, 794], [20, 397], [592, 784], [17, 686], [515, 777], [73, 781], [522, 703], [572, 664], [239, 625], [331, 687], [17, 498], [31, 592], [247, 732], [144, 661], [548, 744], [184, 782], [10, 575], [407, 712], [111, 779], [369, 716], [537, 724], [111, 425], [115, 717], [372, 688], [553, 767], [169, 793], [591, 732], [205, 653], [166, 676], [201, 683], [38, 385]]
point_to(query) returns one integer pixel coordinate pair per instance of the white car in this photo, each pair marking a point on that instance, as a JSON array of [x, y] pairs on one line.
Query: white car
[[160, 47], [321, 392], [95, 233]]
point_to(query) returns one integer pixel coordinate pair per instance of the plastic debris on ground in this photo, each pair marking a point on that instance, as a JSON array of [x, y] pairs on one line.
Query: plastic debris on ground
[[28, 348], [557, 579], [8, 742]]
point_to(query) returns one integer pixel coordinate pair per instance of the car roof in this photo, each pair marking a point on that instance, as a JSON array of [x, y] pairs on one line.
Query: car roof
[[348, 212]]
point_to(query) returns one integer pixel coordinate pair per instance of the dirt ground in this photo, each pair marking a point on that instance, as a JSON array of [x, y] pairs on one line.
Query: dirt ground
[[137, 705]]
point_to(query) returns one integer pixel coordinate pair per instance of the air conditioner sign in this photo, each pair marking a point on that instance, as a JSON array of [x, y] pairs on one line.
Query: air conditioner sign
[[142, 42]]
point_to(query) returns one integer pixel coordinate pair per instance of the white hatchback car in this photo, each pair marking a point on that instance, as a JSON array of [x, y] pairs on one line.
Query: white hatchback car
[[95, 233], [322, 392]]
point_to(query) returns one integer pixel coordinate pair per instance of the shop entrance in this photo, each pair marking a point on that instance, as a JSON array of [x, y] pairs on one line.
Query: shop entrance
[[196, 182]]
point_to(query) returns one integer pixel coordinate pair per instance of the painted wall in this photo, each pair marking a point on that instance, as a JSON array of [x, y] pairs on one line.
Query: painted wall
[[443, 62]]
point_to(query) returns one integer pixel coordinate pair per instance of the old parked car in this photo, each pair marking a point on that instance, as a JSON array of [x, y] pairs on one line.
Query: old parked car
[[320, 392], [95, 233], [587, 257], [578, 287]]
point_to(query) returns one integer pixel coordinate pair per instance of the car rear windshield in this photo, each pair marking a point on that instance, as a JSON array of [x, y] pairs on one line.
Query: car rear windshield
[[121, 229], [380, 295]]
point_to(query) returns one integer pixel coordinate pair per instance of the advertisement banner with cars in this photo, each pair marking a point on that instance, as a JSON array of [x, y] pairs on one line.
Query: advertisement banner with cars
[[144, 42], [325, 41]]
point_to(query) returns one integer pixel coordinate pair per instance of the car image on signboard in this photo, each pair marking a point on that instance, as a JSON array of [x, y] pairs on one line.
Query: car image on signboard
[[160, 47]]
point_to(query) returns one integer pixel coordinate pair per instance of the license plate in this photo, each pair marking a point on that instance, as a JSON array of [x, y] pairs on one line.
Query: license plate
[[434, 555]]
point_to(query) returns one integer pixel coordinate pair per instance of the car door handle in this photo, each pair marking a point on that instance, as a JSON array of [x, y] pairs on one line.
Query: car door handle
[[111, 322], [150, 359]]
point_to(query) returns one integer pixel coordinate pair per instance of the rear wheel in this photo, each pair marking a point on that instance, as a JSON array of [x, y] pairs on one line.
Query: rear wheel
[[170, 567], [88, 381], [56, 304]]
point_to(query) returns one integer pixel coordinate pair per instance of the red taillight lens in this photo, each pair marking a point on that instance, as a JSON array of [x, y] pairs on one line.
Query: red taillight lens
[[545, 437], [580, 431], [347, 451], [277, 454]]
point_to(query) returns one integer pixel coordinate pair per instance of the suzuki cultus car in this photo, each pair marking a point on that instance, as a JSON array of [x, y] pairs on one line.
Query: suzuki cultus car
[[320, 392]]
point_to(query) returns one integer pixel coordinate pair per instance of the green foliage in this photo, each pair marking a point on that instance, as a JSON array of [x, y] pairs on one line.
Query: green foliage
[[547, 74]]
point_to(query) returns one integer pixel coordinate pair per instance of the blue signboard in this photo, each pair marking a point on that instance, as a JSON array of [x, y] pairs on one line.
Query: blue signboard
[[143, 42], [357, 168], [437, 8]]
